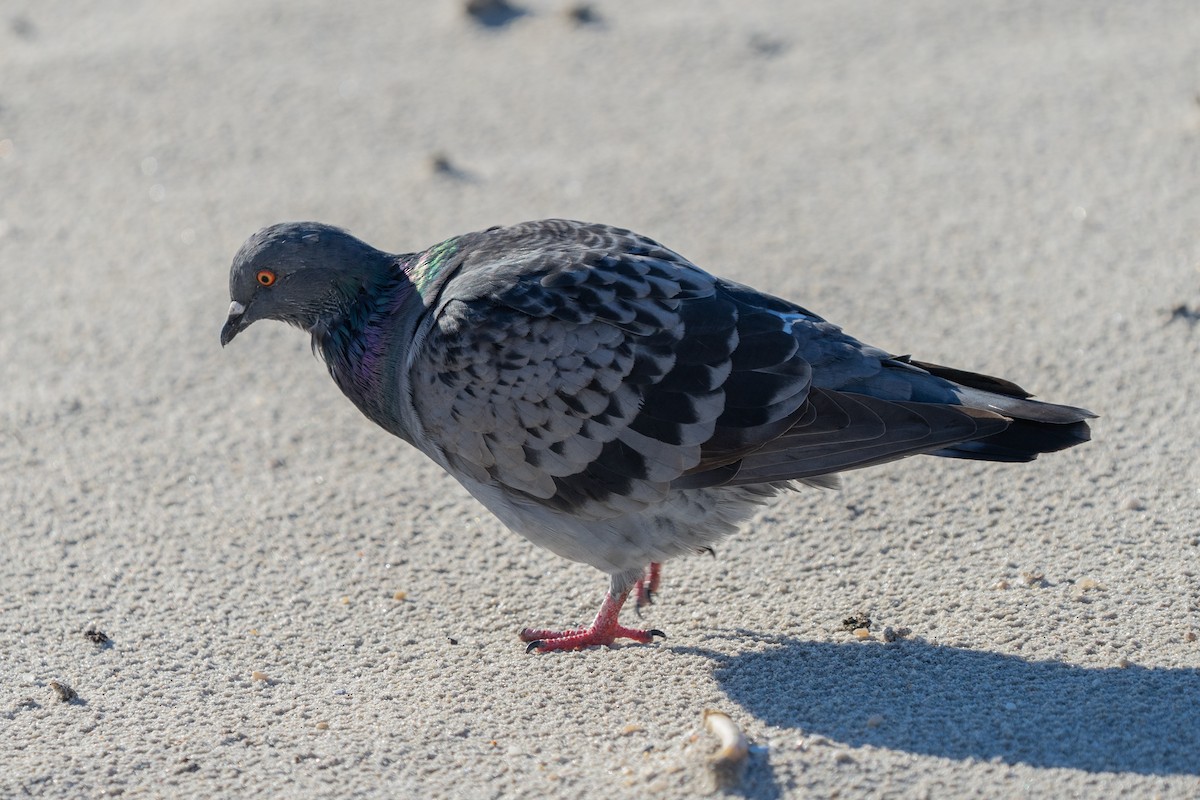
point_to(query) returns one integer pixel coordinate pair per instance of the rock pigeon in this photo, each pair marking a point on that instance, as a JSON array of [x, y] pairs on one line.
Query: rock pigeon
[[606, 398]]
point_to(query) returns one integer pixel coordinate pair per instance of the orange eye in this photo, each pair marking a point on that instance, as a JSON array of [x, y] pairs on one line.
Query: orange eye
[[265, 277]]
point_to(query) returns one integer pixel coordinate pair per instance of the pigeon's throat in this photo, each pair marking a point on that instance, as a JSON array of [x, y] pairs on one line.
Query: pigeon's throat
[[364, 348]]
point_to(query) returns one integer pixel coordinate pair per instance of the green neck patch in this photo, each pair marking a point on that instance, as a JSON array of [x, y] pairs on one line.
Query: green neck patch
[[424, 273]]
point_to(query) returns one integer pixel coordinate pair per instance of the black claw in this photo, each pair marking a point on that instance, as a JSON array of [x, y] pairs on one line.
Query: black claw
[[709, 550], [656, 632], [646, 599], [534, 645]]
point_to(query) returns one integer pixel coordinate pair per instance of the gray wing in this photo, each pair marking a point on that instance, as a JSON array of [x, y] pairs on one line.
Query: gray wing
[[591, 370]]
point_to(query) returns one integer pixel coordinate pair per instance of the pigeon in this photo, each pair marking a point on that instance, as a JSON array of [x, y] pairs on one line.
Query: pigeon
[[606, 398]]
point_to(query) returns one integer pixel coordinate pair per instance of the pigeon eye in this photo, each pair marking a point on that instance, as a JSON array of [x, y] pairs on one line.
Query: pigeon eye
[[265, 277]]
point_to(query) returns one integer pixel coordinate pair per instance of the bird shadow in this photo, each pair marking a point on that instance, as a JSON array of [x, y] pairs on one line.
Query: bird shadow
[[926, 699]]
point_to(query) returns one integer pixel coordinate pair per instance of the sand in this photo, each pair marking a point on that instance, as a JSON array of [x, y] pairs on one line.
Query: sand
[[298, 605]]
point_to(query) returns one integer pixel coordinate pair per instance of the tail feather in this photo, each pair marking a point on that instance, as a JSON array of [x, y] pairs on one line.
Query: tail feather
[[976, 380], [1036, 427], [945, 412], [1022, 440]]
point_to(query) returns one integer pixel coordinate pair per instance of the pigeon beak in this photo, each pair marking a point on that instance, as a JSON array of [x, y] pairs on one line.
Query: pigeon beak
[[236, 323]]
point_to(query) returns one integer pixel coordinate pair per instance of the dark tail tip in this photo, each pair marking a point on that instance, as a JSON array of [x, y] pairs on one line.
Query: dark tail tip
[[1023, 440]]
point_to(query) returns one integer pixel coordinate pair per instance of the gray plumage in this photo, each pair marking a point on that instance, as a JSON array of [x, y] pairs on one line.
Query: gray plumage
[[608, 399]]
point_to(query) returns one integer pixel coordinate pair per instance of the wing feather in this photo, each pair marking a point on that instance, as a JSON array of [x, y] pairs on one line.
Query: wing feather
[[593, 371]]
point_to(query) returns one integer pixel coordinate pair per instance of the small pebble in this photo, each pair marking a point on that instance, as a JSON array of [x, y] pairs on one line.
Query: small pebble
[[1034, 578], [22, 27], [1001, 585], [582, 14], [259, 676], [187, 765], [632, 727], [766, 45], [322, 726], [862, 633], [1190, 636], [98, 637], [400, 595], [856, 621], [65, 693], [492, 13], [1133, 504]]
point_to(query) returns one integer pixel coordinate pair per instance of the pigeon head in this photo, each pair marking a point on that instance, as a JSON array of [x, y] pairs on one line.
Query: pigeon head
[[303, 273]]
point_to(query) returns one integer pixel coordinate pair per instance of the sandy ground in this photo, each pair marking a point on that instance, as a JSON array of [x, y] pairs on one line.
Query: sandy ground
[[298, 605]]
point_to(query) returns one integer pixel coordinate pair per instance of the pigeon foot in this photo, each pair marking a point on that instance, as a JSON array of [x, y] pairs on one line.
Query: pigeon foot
[[605, 629], [647, 586]]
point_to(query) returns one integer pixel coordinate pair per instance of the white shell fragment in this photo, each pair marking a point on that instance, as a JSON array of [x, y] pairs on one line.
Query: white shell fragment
[[728, 763]]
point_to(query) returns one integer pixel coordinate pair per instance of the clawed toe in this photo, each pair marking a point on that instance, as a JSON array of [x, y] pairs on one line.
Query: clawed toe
[[604, 630], [590, 637], [647, 587]]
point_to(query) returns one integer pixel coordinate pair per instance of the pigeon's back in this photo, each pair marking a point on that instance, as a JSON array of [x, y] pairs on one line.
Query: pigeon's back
[[591, 370]]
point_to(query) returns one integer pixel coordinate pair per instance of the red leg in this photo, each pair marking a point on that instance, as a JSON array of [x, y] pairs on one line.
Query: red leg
[[605, 629], [647, 586]]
